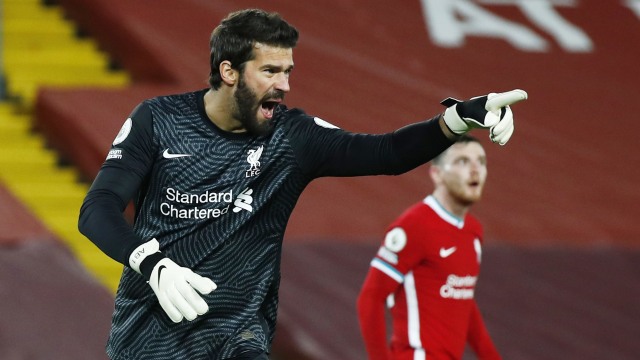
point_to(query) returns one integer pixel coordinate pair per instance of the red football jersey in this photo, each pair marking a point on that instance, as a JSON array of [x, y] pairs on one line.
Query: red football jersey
[[427, 268]]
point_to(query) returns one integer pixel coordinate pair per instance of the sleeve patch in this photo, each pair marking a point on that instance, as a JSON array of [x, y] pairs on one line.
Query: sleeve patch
[[124, 132], [324, 124], [395, 240]]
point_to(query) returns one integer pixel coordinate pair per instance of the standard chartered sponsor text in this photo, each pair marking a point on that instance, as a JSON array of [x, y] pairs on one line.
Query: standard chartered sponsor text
[[458, 287], [178, 204]]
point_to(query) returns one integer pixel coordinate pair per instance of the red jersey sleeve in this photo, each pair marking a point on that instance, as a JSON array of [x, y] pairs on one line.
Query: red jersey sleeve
[[399, 253], [371, 312], [478, 337], [404, 245]]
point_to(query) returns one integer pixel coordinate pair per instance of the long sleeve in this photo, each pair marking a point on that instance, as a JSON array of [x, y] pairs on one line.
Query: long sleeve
[[120, 179], [325, 150], [478, 337], [371, 313]]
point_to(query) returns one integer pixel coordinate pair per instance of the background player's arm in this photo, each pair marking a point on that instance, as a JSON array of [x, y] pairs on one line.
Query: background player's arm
[[478, 337], [401, 251], [371, 312]]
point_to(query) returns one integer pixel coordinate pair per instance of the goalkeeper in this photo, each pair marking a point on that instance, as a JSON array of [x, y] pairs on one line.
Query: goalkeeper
[[214, 175]]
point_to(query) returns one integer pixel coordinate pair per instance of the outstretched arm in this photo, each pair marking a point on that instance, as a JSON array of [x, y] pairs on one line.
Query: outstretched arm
[[326, 150]]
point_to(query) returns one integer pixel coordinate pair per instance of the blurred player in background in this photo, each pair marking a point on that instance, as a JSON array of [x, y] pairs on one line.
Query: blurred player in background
[[427, 268], [214, 175]]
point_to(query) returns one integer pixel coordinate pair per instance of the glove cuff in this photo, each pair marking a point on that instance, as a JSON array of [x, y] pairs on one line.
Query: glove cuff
[[143, 251], [454, 122], [149, 264]]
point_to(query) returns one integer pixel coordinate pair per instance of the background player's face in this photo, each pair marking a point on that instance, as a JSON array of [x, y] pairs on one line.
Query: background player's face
[[262, 86], [463, 172]]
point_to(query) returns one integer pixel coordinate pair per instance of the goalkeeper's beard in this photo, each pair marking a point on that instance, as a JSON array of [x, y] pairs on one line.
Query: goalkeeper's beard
[[246, 109]]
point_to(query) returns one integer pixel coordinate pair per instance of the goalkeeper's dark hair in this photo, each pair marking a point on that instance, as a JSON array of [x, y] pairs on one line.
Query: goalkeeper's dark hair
[[464, 139], [234, 38]]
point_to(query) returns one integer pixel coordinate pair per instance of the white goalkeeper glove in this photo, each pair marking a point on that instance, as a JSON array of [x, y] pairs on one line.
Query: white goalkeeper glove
[[489, 111], [174, 285]]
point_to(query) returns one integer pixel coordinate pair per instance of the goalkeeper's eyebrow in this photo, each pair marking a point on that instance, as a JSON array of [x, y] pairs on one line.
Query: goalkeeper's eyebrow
[[277, 68]]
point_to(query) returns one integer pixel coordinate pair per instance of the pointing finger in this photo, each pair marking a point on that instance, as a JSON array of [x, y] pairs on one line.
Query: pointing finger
[[497, 101]]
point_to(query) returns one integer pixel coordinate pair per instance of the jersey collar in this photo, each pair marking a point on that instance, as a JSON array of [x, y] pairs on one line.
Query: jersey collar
[[443, 213]]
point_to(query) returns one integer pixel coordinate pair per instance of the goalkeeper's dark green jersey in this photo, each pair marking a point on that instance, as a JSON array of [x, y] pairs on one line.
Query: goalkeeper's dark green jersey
[[218, 203]]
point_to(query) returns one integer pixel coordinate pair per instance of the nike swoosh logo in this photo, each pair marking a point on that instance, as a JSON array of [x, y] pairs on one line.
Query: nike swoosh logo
[[162, 267], [168, 155], [447, 252]]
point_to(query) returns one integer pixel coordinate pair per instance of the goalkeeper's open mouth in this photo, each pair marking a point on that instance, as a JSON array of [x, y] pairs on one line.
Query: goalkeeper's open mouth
[[267, 107]]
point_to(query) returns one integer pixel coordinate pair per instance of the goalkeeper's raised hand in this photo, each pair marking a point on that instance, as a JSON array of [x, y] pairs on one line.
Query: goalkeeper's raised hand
[[489, 111], [174, 285]]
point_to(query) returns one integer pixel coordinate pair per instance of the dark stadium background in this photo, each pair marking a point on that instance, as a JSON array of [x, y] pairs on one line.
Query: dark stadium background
[[562, 260]]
